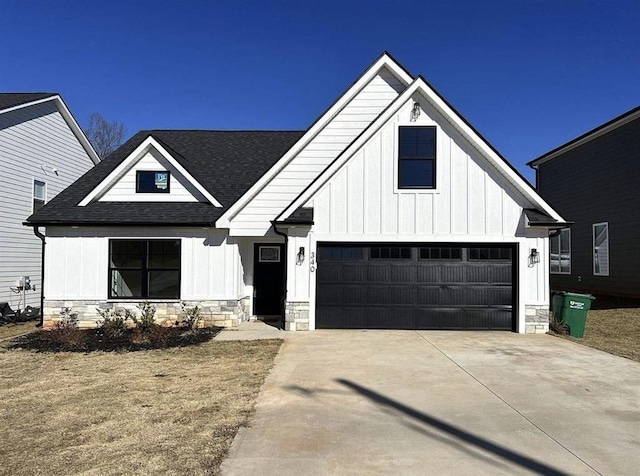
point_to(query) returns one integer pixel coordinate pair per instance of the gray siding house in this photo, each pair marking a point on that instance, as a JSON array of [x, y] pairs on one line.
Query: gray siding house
[[42, 151], [593, 182]]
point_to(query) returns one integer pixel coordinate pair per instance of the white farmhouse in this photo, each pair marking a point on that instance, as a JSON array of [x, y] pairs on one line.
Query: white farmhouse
[[390, 211], [42, 151]]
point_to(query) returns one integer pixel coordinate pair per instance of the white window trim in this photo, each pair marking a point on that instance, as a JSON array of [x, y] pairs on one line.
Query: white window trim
[[593, 247], [560, 252], [33, 192]]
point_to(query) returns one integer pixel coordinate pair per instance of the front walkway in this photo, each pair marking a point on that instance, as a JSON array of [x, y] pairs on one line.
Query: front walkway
[[404, 402]]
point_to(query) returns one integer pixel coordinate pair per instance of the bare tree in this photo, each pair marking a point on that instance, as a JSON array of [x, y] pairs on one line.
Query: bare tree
[[105, 136]]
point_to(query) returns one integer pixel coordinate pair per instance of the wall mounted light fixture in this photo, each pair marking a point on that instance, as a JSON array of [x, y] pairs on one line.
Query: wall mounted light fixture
[[415, 111], [300, 257], [534, 257]]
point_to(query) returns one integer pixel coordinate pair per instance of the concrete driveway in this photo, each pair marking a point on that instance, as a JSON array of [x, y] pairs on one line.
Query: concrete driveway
[[405, 402]]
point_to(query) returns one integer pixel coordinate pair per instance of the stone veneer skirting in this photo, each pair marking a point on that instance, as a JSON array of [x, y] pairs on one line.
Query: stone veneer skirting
[[296, 316], [536, 319], [220, 313]]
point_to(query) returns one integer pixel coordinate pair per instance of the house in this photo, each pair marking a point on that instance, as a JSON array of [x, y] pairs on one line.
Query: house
[[390, 211], [591, 181], [42, 151]]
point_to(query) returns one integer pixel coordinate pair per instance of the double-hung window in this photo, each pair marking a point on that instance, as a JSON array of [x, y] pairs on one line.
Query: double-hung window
[[39, 195], [560, 252], [417, 157], [144, 269], [601, 249]]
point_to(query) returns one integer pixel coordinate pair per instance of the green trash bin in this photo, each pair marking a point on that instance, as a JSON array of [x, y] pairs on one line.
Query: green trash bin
[[574, 312]]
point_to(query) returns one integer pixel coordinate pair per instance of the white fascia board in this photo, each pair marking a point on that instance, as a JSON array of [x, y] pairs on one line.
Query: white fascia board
[[146, 145], [70, 120], [384, 61], [420, 86]]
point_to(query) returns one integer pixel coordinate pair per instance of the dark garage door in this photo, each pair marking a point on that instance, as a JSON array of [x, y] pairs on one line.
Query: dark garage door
[[415, 286]]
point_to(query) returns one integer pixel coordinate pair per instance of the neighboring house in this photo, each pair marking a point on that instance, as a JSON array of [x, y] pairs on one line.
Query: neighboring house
[[593, 182], [42, 151], [390, 211]]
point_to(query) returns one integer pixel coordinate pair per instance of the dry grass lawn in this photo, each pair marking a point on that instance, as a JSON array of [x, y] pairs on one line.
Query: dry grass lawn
[[172, 411], [616, 331], [11, 330]]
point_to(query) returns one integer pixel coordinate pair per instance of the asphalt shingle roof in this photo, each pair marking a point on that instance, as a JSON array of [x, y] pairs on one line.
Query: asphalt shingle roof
[[226, 163], [8, 100]]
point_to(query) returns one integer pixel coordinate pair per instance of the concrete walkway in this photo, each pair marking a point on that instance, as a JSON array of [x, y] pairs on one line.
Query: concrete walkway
[[404, 402], [251, 330]]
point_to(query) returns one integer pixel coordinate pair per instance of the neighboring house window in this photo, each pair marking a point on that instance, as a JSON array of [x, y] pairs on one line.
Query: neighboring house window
[[152, 182], [560, 254], [601, 249], [39, 195], [417, 157], [144, 269]]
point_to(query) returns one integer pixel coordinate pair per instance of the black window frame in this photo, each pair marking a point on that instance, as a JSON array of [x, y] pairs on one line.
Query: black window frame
[[417, 158], [155, 190], [144, 269]]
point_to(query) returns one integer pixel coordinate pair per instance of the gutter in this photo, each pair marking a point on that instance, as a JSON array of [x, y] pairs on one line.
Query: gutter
[[36, 231], [286, 253]]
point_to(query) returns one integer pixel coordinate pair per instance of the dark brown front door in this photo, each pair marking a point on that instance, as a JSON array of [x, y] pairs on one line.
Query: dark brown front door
[[268, 279]]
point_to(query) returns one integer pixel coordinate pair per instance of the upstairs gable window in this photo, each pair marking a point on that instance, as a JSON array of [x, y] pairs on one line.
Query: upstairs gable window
[[417, 157], [152, 182]]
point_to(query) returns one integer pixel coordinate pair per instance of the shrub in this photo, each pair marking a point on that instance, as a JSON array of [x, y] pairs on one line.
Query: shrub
[[65, 333], [191, 316], [113, 325], [147, 320]]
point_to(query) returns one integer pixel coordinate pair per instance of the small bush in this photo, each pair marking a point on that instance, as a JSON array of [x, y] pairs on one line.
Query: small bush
[[113, 325], [147, 320], [191, 316], [558, 327]]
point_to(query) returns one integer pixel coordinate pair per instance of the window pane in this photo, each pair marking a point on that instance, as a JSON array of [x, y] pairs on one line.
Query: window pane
[[126, 283], [417, 142], [164, 254], [416, 173], [164, 284], [375, 253], [37, 204], [39, 190], [152, 181]]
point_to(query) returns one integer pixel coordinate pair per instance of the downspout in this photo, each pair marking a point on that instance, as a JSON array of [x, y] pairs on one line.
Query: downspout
[[36, 231], [286, 252]]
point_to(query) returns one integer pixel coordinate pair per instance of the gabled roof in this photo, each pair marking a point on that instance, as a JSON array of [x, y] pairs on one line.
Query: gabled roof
[[605, 128], [13, 101], [226, 163], [385, 60], [421, 86]]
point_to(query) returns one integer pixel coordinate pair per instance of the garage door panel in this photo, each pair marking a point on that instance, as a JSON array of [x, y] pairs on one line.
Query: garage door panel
[[385, 287]]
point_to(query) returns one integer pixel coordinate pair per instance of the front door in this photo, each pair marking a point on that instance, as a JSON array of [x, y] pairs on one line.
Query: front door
[[268, 279]]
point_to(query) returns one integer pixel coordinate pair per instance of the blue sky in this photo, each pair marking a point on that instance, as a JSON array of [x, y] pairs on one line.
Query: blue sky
[[529, 75]]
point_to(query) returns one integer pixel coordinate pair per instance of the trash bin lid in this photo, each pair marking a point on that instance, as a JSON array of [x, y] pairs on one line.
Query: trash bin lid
[[584, 296]]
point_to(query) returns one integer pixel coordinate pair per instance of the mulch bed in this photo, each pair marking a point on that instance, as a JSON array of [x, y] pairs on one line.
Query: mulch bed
[[94, 340]]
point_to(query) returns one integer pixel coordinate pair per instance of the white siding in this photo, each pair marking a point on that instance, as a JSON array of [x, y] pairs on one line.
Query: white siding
[[472, 200], [255, 218], [34, 141], [124, 189], [77, 262]]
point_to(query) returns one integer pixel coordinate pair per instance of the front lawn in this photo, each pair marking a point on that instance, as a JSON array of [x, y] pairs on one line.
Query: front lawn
[[10, 329], [170, 411], [615, 330]]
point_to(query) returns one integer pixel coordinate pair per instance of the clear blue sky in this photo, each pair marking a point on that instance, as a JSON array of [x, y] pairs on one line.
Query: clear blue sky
[[529, 75]]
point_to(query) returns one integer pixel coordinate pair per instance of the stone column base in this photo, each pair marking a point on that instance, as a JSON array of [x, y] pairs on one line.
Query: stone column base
[[536, 319], [296, 316]]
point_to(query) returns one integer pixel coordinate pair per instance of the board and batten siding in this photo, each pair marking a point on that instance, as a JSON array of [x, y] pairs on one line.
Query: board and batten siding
[[472, 203], [369, 102], [35, 141], [77, 262], [124, 189], [593, 183]]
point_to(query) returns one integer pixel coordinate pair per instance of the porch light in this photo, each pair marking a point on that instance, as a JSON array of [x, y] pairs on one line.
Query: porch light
[[300, 256], [534, 257], [415, 111]]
